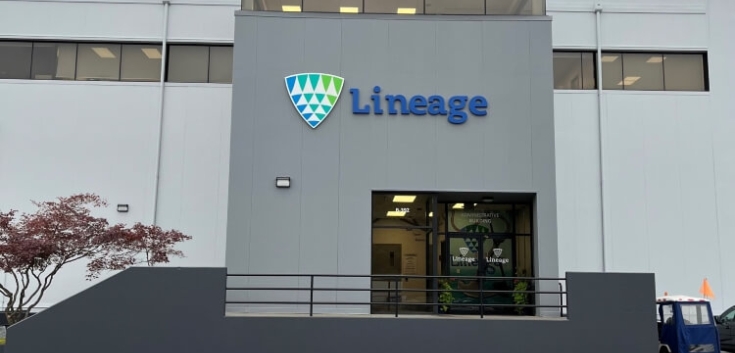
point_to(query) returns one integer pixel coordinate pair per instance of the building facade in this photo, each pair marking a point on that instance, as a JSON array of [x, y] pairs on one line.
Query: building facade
[[423, 163], [626, 171]]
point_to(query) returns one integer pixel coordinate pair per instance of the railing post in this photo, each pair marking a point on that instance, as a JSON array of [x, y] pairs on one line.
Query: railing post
[[561, 300], [397, 279], [311, 296], [482, 301]]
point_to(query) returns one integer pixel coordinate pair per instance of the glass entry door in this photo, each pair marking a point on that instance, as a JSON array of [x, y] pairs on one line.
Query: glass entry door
[[479, 255]]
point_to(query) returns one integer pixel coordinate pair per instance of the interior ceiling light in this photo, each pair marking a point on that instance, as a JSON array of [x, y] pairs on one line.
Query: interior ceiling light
[[291, 8], [404, 198], [151, 53], [396, 213], [609, 58], [103, 52], [458, 206], [348, 9], [406, 10], [655, 59], [629, 80]]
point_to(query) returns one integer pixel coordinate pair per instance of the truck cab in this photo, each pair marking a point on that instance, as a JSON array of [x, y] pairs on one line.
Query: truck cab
[[686, 324], [726, 327]]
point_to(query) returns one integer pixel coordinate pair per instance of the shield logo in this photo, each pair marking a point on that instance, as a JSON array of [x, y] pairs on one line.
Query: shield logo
[[497, 252], [464, 250], [314, 95]]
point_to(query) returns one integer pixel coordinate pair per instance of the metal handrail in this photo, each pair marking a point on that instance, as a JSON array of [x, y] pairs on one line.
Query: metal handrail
[[396, 291]]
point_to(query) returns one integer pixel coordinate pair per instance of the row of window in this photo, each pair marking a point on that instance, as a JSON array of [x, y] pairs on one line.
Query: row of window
[[631, 71], [404, 7], [115, 62], [213, 64]]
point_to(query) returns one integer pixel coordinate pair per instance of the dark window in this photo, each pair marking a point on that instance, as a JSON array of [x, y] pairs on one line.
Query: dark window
[[459, 7], [653, 72], [612, 71], [684, 72], [141, 62], [54, 61], [574, 70], [15, 60], [200, 63], [88, 61], [513, 7], [589, 75], [343, 6], [407, 7], [643, 72], [220, 64], [98, 62], [188, 63]]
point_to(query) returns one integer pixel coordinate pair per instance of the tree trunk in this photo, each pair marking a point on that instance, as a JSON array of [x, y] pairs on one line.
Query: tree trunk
[[15, 315]]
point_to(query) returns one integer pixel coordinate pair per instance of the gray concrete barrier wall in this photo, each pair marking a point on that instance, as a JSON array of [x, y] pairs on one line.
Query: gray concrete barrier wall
[[182, 310]]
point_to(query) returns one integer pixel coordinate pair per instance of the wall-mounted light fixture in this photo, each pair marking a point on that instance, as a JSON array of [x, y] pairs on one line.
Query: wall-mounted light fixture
[[122, 207], [283, 182]]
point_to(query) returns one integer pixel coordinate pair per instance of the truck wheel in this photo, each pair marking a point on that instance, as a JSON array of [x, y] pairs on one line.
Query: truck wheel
[[663, 350]]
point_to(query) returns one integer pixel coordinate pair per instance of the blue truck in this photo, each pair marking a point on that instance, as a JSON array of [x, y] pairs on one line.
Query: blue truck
[[686, 324]]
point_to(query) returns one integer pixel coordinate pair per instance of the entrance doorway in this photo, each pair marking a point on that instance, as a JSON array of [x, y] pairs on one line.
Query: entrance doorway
[[483, 255], [460, 235]]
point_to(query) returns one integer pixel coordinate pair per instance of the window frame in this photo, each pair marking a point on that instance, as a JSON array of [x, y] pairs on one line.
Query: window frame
[[209, 47], [56, 42], [185, 44], [30, 64], [209, 64], [581, 67], [702, 53], [90, 43], [77, 43], [142, 44], [122, 43]]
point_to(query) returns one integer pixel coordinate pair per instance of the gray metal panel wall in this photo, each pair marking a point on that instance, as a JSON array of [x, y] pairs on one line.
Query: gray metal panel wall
[[181, 310], [323, 222]]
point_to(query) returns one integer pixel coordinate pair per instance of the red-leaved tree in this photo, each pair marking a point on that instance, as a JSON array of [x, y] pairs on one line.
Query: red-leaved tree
[[35, 246]]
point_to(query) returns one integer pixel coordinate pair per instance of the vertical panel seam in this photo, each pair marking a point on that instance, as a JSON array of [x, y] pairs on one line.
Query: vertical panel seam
[[301, 173], [339, 148], [252, 161], [717, 205], [436, 121], [645, 183], [339, 161], [530, 106]]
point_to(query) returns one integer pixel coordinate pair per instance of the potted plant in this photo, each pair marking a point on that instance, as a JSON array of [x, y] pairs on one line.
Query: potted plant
[[520, 297], [445, 297]]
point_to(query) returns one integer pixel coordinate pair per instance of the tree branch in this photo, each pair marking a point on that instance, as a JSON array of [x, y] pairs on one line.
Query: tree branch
[[6, 292], [38, 288], [11, 302], [46, 283], [9, 308], [26, 281]]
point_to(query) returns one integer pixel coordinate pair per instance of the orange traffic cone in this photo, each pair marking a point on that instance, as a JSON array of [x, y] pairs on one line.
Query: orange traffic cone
[[706, 290]]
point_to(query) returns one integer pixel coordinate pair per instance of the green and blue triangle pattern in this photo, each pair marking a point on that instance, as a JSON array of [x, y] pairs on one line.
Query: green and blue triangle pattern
[[314, 95]]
